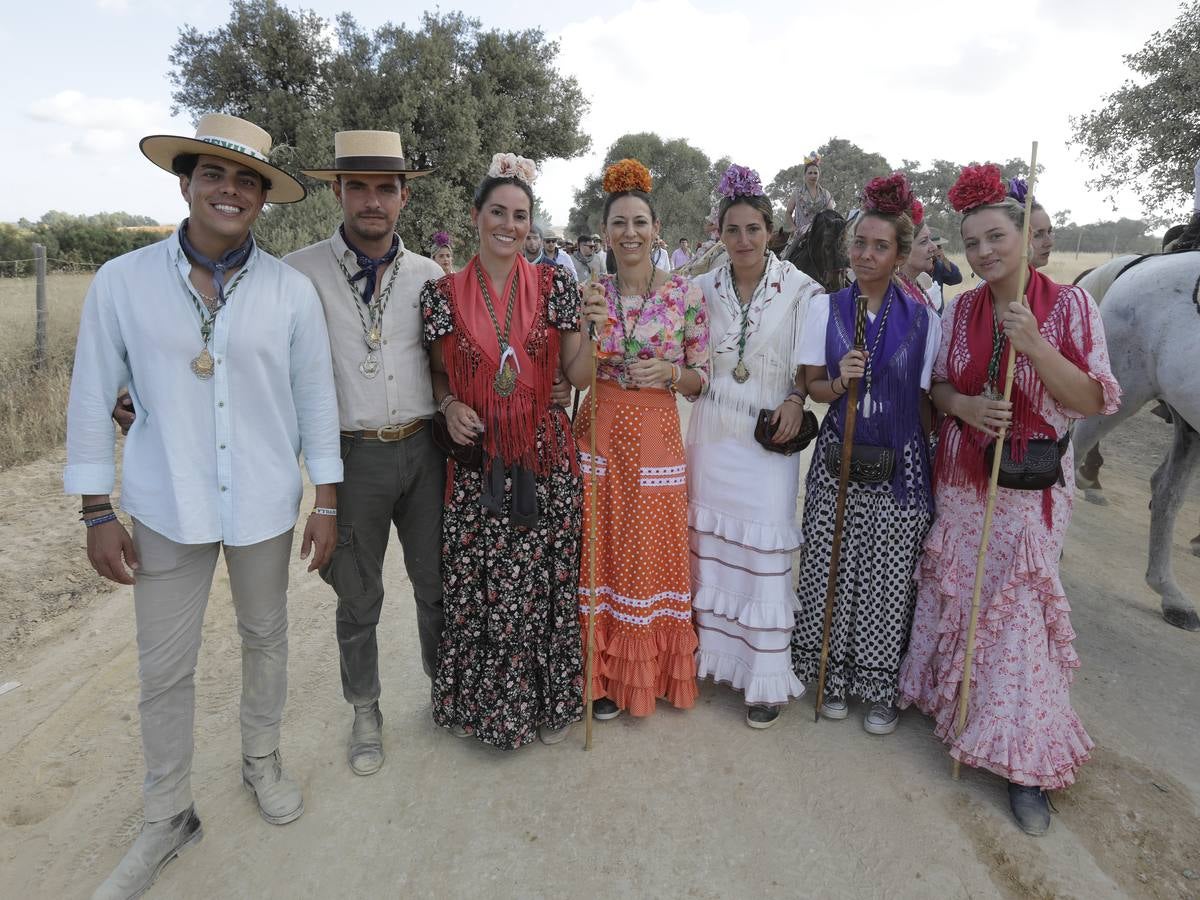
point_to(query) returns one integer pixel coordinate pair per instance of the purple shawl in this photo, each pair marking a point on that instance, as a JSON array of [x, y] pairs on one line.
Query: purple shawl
[[894, 419]]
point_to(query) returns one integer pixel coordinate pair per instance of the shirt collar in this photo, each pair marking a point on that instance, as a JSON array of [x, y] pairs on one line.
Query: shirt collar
[[184, 265], [342, 251]]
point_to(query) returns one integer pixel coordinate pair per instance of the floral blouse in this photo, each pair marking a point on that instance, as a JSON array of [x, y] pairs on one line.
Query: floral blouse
[[671, 324]]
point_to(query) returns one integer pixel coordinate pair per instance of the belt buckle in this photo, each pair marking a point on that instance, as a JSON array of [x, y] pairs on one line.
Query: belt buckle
[[390, 433]]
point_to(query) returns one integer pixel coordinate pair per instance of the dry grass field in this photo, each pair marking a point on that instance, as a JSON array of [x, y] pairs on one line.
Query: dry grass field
[[33, 404]]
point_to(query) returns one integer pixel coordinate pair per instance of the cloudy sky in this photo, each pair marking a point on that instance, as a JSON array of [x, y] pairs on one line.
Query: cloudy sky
[[762, 82]]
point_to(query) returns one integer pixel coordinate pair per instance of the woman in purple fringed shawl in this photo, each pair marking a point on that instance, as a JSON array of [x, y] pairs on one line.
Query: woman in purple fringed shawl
[[885, 521]]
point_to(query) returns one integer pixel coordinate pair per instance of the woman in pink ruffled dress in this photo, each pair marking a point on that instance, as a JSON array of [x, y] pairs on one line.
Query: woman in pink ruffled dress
[[1020, 723]]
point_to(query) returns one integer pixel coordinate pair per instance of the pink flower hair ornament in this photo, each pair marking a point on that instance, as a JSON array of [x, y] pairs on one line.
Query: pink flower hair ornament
[[739, 181], [509, 165]]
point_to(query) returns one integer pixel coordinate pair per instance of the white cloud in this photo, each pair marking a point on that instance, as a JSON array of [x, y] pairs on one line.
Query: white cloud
[[764, 83], [77, 109], [117, 6]]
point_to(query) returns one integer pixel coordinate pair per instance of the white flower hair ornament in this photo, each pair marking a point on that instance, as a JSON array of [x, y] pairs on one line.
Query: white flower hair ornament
[[509, 165]]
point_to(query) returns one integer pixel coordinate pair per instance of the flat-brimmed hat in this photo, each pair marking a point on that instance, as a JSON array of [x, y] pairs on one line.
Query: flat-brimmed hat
[[937, 239], [367, 153], [227, 137], [549, 233]]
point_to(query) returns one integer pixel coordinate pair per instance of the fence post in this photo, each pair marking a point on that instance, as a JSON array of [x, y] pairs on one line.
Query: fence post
[[39, 346]]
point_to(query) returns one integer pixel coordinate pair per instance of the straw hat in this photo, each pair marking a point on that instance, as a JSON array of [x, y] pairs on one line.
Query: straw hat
[[227, 137], [367, 153]]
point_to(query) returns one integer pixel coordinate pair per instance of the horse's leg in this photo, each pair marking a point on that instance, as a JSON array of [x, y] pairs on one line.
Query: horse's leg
[[1086, 440], [1169, 486]]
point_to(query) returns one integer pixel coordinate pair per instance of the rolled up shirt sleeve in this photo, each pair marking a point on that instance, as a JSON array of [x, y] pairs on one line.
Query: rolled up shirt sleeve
[[101, 370], [313, 392]]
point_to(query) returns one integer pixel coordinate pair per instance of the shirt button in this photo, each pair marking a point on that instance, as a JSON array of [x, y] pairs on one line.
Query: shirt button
[[222, 446], [220, 360], [391, 378], [224, 488], [393, 412], [385, 342], [220, 403]]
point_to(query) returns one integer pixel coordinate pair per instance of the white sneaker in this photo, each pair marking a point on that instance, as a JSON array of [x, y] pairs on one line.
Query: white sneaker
[[835, 708], [882, 719], [553, 735]]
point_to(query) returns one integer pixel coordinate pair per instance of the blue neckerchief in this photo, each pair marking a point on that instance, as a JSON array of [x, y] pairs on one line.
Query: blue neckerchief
[[231, 260], [368, 269]]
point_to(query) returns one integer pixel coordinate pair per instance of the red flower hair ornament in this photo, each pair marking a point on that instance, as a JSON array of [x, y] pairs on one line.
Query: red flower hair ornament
[[889, 195], [917, 212], [977, 186]]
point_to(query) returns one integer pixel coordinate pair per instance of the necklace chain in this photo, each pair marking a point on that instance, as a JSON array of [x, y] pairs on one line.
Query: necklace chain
[[744, 308], [377, 305], [501, 336], [208, 313], [874, 350]]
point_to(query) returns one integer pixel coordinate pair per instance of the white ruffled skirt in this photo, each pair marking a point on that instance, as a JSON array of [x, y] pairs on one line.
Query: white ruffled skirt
[[743, 535]]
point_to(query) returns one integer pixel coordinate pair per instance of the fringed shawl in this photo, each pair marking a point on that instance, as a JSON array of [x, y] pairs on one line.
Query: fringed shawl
[[890, 416], [472, 358], [961, 447]]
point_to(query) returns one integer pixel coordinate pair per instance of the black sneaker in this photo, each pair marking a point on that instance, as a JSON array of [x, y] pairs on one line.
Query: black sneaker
[[762, 716], [1030, 808], [604, 709]]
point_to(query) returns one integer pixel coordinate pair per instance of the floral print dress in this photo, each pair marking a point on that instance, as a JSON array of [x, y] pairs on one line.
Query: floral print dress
[[510, 656]]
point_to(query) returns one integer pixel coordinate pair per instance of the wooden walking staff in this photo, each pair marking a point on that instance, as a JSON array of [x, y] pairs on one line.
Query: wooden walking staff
[[592, 503], [835, 555], [964, 691]]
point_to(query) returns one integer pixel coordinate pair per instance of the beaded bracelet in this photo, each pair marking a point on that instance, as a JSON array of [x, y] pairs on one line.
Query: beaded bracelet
[[323, 511], [95, 507], [445, 404], [100, 520]]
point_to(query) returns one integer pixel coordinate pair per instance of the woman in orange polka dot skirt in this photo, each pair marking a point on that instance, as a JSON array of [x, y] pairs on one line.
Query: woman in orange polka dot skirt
[[653, 334]]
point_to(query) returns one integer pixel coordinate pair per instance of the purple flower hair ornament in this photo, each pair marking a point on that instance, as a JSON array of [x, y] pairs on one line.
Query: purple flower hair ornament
[[739, 181], [1018, 188], [441, 239]]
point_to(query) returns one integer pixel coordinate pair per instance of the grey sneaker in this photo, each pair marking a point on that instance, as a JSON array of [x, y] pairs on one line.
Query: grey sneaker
[[1030, 808], [835, 708], [605, 709], [279, 798], [553, 735], [762, 716], [156, 845], [460, 731], [366, 740], [882, 718]]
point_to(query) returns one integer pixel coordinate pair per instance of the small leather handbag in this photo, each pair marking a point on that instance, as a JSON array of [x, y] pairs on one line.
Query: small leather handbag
[[868, 464], [764, 431], [1040, 469], [469, 456]]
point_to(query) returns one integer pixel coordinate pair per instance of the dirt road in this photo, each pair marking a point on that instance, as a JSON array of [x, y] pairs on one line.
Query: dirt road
[[682, 805]]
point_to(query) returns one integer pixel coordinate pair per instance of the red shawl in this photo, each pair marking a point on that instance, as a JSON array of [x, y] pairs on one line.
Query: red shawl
[[472, 358], [960, 456]]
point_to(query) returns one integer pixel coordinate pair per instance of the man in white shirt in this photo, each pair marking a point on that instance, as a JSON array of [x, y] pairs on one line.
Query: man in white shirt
[[551, 239], [682, 255], [659, 257], [226, 357], [586, 261], [369, 285]]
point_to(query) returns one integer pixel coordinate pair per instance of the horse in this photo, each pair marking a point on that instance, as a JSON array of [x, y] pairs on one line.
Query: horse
[[1151, 313], [821, 253]]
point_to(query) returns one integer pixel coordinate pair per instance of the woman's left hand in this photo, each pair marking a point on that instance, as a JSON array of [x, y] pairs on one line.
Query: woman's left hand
[[787, 419], [1021, 328], [649, 373]]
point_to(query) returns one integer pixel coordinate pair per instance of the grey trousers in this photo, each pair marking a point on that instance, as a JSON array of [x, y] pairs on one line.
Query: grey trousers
[[396, 484], [169, 597]]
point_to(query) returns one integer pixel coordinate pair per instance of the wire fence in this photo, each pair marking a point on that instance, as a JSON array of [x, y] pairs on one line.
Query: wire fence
[[22, 267]]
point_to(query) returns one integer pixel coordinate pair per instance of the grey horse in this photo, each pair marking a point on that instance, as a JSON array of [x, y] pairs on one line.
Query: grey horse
[[1151, 318]]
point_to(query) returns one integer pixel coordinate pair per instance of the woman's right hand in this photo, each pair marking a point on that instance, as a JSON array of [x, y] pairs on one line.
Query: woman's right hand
[[984, 413], [595, 305], [852, 365], [464, 423]]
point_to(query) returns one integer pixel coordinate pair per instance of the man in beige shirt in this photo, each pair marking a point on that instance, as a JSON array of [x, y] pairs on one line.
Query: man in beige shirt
[[394, 476]]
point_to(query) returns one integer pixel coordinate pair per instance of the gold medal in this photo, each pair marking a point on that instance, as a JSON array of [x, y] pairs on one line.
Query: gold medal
[[373, 338], [740, 373], [506, 381], [203, 365]]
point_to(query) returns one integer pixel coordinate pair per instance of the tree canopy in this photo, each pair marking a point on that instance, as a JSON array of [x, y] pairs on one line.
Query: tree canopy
[[1146, 135], [456, 93], [684, 179], [845, 168]]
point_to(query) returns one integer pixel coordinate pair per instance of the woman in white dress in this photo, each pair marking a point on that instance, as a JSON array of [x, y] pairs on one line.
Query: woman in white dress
[[741, 498]]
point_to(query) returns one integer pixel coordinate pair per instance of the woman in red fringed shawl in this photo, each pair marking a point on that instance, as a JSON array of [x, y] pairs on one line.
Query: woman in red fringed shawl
[[510, 664], [1020, 723]]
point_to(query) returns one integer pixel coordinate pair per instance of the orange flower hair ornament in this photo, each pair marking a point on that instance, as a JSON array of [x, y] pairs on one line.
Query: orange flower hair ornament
[[627, 175]]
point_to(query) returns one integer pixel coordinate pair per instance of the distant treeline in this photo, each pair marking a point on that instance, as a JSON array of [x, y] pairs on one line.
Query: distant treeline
[[74, 241], [1121, 236]]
